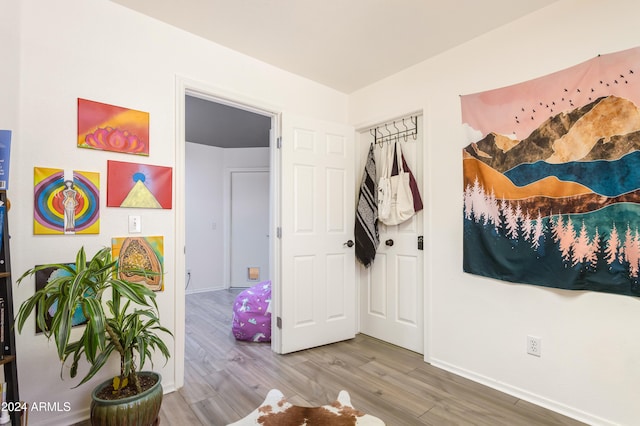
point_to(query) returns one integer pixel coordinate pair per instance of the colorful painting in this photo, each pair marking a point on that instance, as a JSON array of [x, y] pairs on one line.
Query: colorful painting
[[139, 185], [66, 205], [112, 128], [43, 277], [552, 178], [136, 254]]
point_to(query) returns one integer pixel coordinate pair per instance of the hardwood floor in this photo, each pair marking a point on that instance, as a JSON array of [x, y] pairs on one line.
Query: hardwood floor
[[225, 379]]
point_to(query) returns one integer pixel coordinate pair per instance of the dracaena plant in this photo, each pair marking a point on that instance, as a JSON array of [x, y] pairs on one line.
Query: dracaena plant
[[125, 322]]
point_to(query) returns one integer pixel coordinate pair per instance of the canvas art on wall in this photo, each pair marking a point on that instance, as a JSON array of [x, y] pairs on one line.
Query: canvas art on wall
[[66, 205], [112, 128], [142, 254], [552, 178], [139, 185], [43, 277]]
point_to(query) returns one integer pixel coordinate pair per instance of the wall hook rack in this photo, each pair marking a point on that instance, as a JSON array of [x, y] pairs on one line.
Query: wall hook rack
[[383, 134]]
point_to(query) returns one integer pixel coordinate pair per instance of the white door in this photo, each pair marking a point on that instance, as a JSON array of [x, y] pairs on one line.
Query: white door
[[317, 291], [391, 289], [249, 219]]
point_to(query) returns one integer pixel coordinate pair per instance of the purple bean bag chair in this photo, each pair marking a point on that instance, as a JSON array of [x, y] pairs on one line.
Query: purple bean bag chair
[[252, 313]]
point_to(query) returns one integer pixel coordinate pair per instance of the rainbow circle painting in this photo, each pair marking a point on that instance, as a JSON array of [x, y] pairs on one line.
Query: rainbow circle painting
[[66, 206]]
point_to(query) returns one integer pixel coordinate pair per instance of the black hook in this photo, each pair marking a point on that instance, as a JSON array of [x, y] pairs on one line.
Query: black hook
[[406, 130], [415, 127], [380, 139]]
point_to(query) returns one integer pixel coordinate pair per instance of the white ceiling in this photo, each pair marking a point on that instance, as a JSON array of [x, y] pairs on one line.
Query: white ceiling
[[343, 44]]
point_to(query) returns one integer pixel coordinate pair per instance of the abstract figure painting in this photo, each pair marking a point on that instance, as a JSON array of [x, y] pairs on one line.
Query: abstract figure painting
[[66, 205], [140, 260], [112, 128], [552, 178], [43, 277], [138, 185]]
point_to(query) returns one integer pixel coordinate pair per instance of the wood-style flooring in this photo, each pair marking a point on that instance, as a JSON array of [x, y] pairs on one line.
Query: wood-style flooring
[[225, 379]]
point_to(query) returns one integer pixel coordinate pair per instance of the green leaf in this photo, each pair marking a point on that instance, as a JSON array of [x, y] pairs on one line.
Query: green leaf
[[25, 310], [101, 359], [132, 291], [61, 326], [92, 309], [81, 260]]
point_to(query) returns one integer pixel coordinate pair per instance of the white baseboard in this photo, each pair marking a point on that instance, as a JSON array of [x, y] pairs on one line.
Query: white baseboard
[[524, 395]]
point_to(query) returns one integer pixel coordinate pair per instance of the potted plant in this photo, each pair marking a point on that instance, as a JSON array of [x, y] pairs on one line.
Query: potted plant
[[122, 317]]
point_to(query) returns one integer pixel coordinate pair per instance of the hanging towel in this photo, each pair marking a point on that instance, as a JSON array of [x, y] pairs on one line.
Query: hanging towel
[[366, 227]]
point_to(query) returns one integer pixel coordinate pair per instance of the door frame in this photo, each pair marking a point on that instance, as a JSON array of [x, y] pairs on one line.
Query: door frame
[[227, 190], [185, 86], [365, 126]]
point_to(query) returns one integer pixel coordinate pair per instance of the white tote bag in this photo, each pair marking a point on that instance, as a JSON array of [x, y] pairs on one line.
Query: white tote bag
[[401, 208], [384, 185]]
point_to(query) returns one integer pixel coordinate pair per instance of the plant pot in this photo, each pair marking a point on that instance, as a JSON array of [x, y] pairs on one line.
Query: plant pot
[[136, 410]]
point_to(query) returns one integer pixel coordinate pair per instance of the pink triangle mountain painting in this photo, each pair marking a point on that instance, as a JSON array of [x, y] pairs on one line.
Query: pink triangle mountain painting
[[552, 178]]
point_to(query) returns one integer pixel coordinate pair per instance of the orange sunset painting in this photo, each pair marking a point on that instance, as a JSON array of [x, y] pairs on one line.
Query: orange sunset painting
[[112, 128]]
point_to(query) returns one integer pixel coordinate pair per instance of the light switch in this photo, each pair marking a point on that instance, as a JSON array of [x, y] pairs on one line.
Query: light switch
[[135, 227]]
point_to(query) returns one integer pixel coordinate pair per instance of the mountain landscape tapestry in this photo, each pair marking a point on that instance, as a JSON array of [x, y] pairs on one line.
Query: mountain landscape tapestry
[[552, 178]]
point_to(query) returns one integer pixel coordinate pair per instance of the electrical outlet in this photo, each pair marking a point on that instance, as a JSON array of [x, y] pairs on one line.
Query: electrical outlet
[[534, 345]]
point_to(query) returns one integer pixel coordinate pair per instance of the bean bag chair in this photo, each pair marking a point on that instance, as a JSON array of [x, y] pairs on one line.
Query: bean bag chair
[[252, 314]]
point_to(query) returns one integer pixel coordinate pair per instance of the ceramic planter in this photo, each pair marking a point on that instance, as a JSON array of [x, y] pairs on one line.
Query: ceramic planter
[[136, 410]]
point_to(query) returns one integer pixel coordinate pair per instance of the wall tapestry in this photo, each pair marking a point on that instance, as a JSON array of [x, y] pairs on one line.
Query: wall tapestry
[[138, 185], [112, 128], [43, 277], [552, 178], [140, 253], [66, 205]]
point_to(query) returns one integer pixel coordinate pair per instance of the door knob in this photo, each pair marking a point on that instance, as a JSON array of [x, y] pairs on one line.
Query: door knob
[[349, 243], [389, 242]]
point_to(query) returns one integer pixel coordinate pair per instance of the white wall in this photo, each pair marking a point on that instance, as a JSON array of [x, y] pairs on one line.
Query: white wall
[[99, 50], [204, 194], [206, 191], [590, 364]]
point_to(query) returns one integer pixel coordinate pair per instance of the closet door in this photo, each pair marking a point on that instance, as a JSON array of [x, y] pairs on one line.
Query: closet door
[[317, 289], [249, 217], [392, 288]]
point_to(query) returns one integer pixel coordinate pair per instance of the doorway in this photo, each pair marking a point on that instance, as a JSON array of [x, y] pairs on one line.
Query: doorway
[[227, 193]]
